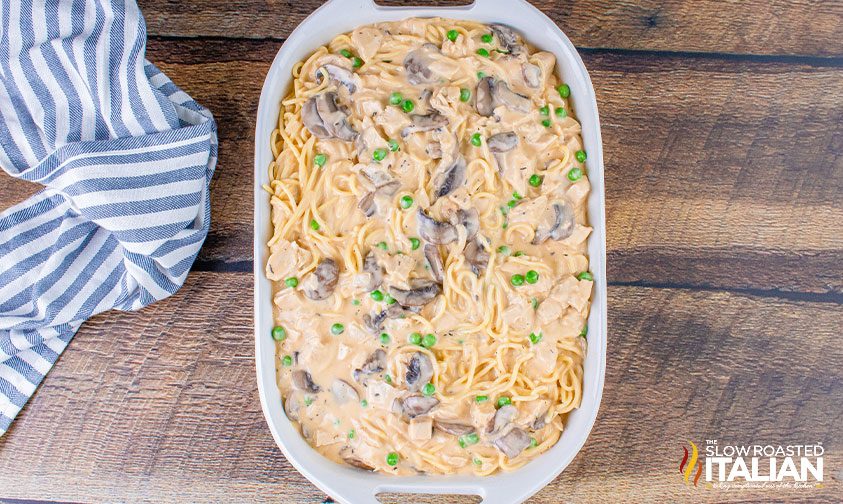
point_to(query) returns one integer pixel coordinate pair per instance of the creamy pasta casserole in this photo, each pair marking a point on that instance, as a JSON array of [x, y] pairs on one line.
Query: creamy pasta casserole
[[431, 282]]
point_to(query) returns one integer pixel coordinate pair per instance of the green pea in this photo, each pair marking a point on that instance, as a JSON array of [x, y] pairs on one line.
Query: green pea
[[356, 62], [393, 145], [429, 389], [376, 295], [517, 280], [505, 225], [287, 361], [481, 399], [564, 90], [475, 140], [414, 243], [574, 174], [320, 159], [512, 203], [516, 196], [486, 37], [279, 333], [580, 155], [481, 75], [392, 459], [381, 245], [452, 35], [351, 434], [546, 123], [387, 379], [468, 439], [389, 299], [408, 106], [477, 462], [585, 275], [503, 250], [337, 329], [465, 95], [504, 401], [395, 98], [535, 338], [379, 154], [415, 338], [483, 52], [314, 225], [308, 401], [346, 53], [535, 303], [518, 254], [504, 210], [533, 442], [364, 403], [584, 331], [429, 340], [291, 282], [406, 201], [544, 110], [355, 302], [532, 276], [536, 180], [561, 112], [385, 339]]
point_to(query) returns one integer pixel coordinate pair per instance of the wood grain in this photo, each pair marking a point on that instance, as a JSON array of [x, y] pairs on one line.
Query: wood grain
[[162, 405], [781, 27]]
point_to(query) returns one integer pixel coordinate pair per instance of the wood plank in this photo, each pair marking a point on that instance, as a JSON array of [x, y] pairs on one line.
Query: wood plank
[[719, 173], [162, 406], [783, 27]]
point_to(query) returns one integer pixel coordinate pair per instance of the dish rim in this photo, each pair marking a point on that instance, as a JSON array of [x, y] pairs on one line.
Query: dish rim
[[347, 484]]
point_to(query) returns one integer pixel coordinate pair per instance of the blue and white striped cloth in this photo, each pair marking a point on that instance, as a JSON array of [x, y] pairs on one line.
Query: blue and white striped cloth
[[126, 159]]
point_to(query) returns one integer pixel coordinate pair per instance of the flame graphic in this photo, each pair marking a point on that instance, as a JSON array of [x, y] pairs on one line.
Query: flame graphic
[[686, 471]]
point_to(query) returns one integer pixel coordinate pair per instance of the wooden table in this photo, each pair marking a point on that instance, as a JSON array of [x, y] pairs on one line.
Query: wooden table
[[723, 133]]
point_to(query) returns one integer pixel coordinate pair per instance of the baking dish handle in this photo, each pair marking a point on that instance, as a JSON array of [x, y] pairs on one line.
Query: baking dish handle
[[366, 494]]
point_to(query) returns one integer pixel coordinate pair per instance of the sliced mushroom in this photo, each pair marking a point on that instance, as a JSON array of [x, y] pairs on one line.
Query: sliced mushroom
[[344, 392], [367, 204], [374, 364], [420, 293], [332, 119], [417, 65], [375, 322], [507, 38], [452, 178], [431, 121], [532, 75], [434, 150], [416, 405], [483, 97], [337, 75], [375, 271], [320, 283], [434, 259], [434, 231], [312, 121], [540, 421], [304, 382], [419, 372], [557, 223], [347, 454], [513, 442], [292, 405], [470, 220], [477, 256], [502, 95], [456, 429], [378, 175], [503, 417], [502, 142]]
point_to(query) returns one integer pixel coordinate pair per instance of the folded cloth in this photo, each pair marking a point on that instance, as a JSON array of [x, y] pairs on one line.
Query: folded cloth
[[126, 158]]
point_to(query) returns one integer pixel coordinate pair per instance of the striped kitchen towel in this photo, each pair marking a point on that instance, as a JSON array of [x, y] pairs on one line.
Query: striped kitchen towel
[[126, 159]]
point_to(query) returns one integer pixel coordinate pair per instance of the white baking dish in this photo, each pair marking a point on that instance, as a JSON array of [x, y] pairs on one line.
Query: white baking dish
[[349, 485]]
